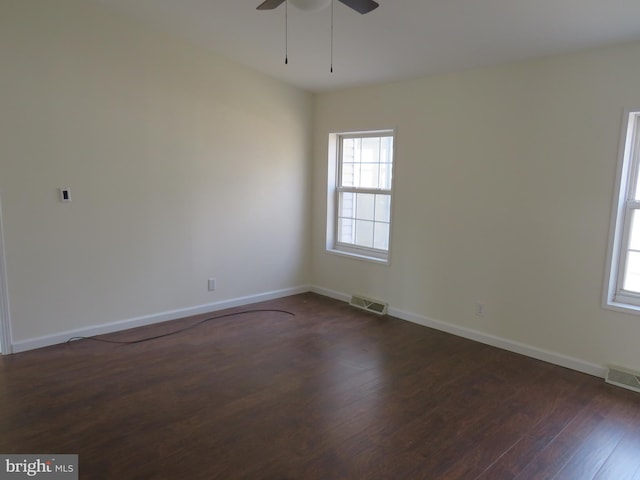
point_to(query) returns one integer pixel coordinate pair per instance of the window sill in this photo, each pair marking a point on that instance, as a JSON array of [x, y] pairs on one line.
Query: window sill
[[622, 307], [357, 256]]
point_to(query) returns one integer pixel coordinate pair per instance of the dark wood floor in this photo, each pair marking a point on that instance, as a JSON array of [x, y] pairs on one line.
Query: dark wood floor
[[330, 393]]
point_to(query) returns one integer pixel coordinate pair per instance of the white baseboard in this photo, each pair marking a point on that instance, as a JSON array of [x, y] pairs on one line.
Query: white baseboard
[[503, 343], [330, 293], [57, 338], [499, 342]]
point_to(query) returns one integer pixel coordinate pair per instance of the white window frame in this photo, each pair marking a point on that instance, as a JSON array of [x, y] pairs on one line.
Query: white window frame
[[334, 189], [615, 296]]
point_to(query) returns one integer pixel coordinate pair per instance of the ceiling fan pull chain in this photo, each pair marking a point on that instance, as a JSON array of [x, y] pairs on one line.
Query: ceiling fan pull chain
[[332, 2], [286, 32]]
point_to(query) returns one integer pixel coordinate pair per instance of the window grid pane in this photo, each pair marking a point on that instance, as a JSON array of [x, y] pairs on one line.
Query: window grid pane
[[634, 239], [381, 236], [631, 280], [632, 272], [364, 233]]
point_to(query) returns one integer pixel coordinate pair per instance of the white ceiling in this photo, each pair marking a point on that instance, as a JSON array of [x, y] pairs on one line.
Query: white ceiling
[[400, 39]]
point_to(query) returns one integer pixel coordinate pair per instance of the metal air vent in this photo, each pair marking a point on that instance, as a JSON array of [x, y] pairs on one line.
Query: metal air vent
[[368, 304], [623, 378]]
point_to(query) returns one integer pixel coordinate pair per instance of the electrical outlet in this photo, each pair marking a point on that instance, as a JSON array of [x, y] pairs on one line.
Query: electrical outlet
[[480, 309], [212, 284]]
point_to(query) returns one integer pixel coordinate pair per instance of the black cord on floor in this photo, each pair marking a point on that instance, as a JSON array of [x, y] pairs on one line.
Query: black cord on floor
[[197, 324]]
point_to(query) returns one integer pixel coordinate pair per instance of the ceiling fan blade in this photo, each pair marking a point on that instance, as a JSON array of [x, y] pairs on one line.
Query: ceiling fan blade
[[270, 4], [361, 6]]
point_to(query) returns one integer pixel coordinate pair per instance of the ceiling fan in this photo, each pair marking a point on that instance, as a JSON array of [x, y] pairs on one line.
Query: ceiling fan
[[360, 6]]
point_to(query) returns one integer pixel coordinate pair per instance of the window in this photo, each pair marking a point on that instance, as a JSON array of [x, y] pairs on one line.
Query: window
[[360, 194], [623, 289]]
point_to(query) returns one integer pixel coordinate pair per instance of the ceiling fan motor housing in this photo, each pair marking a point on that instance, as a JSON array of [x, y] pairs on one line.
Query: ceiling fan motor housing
[[360, 6]]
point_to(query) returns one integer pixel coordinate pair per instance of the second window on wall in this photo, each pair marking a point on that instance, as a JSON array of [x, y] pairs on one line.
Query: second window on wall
[[623, 287]]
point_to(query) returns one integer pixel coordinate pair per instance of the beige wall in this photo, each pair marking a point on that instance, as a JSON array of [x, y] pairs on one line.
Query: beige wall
[[503, 191], [181, 165]]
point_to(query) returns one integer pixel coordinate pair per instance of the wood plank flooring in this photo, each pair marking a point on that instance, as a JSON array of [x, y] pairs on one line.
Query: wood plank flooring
[[330, 393]]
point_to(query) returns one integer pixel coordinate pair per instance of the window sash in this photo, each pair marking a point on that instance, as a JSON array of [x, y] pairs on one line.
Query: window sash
[[627, 295], [341, 162], [372, 191], [368, 229]]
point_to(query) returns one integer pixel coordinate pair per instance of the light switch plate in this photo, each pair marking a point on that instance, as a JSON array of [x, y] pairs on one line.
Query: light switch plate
[[65, 195]]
